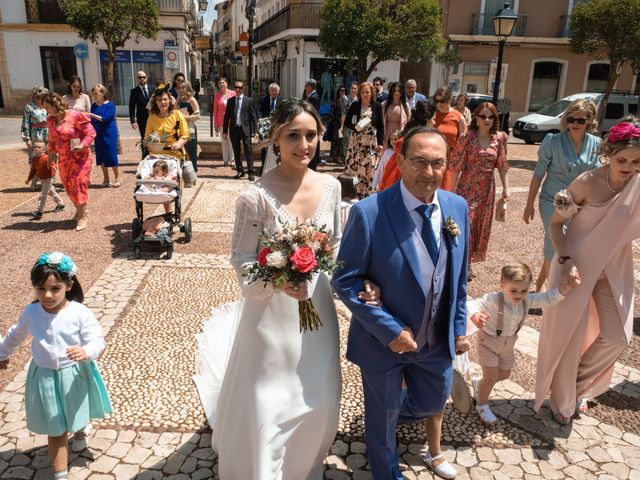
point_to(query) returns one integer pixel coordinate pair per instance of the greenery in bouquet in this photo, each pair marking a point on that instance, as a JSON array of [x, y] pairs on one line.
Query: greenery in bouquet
[[292, 255], [154, 137]]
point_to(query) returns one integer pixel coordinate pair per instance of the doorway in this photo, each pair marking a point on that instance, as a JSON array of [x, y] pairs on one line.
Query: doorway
[[58, 64]]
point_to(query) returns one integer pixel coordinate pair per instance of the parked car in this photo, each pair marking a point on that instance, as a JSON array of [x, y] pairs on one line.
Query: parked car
[[533, 127]]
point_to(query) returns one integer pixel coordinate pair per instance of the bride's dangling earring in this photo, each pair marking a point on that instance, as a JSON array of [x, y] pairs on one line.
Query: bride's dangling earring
[[276, 150]]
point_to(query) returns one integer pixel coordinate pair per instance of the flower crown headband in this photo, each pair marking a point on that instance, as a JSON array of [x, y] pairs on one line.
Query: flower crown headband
[[623, 132], [61, 262]]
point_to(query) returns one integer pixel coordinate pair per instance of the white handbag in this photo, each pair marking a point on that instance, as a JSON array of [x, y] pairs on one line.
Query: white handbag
[[363, 123]]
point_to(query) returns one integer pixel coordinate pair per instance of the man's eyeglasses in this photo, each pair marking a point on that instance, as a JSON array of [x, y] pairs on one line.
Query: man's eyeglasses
[[141, 78], [486, 117], [440, 100], [419, 163], [238, 87], [579, 121]]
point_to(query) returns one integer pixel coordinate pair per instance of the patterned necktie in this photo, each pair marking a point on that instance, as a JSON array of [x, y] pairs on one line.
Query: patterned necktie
[[427, 233]]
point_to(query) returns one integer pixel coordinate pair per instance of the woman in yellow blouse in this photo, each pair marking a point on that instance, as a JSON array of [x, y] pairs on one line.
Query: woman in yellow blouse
[[165, 118]]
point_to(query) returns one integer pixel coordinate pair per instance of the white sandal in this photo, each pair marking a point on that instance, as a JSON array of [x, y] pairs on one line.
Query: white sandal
[[486, 415], [444, 469]]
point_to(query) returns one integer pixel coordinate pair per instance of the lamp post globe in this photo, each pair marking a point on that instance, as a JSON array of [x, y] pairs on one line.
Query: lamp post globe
[[503, 23]]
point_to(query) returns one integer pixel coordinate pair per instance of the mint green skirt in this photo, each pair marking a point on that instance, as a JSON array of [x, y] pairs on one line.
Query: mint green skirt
[[64, 400]]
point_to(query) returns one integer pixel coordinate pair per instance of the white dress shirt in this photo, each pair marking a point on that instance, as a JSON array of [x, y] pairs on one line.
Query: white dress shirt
[[53, 333], [411, 202], [512, 311]]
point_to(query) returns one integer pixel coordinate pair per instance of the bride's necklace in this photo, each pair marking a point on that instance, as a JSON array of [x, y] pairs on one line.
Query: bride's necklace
[[613, 190]]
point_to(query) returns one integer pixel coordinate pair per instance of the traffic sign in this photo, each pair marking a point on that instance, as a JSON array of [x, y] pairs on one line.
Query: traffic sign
[[81, 51], [244, 43]]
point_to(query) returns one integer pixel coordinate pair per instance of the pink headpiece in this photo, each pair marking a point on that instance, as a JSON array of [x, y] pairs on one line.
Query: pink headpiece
[[623, 132]]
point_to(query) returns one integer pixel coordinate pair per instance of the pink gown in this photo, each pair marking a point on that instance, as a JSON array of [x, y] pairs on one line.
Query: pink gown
[[75, 167], [582, 337]]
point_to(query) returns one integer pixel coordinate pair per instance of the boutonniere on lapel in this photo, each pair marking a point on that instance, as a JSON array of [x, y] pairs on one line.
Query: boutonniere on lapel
[[452, 229]]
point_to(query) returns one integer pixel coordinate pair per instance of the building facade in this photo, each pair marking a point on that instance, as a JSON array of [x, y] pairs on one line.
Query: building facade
[[37, 47], [538, 66]]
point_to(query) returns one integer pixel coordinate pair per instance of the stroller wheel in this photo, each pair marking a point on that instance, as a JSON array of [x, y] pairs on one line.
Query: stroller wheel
[[136, 252], [188, 235], [136, 228]]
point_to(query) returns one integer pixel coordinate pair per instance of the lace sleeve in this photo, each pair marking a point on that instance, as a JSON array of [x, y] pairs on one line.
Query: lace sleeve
[[564, 204], [246, 238]]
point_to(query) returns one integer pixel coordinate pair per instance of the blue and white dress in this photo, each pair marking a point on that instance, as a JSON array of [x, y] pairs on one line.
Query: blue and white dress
[[61, 395]]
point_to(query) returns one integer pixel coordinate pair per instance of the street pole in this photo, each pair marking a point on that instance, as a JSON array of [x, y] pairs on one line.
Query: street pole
[[250, 16], [496, 83]]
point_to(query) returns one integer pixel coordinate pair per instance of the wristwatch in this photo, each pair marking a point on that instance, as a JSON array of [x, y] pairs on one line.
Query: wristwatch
[[563, 259]]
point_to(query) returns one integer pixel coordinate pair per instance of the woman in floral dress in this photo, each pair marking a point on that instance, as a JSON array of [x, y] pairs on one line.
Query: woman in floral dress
[[473, 161], [366, 142], [34, 123], [70, 135]]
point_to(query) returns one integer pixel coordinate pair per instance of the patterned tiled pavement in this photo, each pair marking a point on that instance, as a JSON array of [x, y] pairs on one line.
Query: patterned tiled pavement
[[150, 310]]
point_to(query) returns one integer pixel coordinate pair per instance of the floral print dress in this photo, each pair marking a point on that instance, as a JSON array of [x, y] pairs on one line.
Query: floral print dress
[[75, 167], [476, 184], [34, 124], [362, 156]]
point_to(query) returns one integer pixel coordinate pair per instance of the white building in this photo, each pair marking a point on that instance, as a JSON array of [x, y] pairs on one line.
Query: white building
[[285, 48], [37, 48]]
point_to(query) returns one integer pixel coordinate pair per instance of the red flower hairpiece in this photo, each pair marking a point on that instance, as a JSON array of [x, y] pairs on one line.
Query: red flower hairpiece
[[623, 132]]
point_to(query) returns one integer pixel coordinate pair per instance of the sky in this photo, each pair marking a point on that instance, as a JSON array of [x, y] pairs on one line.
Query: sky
[[209, 16]]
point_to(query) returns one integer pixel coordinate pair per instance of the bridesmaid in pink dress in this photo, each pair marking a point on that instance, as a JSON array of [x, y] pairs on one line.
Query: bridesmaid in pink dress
[[582, 337], [70, 135]]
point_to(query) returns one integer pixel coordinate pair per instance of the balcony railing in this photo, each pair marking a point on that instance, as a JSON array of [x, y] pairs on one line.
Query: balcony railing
[[298, 15], [177, 6], [564, 29], [482, 24], [44, 11]]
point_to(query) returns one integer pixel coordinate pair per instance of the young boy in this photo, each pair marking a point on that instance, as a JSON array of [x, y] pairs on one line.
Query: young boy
[[499, 316], [40, 169], [348, 189]]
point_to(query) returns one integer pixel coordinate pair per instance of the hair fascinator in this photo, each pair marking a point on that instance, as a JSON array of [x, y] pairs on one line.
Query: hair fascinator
[[623, 132], [59, 261], [161, 88]]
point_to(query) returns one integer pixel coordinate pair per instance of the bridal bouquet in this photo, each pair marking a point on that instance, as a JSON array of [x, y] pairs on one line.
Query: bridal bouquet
[[293, 254]]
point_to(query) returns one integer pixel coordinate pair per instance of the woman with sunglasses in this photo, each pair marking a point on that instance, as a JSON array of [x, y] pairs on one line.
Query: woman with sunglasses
[[476, 156], [451, 123], [561, 158]]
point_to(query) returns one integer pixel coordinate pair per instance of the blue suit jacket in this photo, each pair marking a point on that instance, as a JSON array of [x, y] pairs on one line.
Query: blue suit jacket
[[377, 244]]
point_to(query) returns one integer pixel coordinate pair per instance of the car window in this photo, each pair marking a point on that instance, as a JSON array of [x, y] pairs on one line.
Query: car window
[[555, 109], [614, 111], [633, 108]]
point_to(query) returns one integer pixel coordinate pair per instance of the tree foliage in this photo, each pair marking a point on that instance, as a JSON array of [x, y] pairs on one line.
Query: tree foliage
[[113, 20], [607, 29], [380, 30]]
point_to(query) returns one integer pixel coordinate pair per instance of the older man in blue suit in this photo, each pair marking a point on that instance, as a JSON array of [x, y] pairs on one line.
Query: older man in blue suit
[[410, 240]]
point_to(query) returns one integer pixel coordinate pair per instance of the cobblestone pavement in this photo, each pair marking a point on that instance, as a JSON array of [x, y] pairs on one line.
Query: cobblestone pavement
[[150, 310]]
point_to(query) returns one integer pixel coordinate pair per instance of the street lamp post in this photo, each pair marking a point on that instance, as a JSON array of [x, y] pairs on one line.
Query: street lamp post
[[503, 22]]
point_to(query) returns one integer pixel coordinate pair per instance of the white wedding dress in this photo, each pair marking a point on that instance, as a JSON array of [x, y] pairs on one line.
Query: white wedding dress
[[270, 393]]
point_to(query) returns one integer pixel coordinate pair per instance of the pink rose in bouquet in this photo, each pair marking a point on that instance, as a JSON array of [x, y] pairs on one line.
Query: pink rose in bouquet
[[304, 260]]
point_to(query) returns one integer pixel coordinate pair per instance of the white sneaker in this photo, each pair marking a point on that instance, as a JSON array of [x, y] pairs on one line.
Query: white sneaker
[[486, 415], [444, 469], [80, 439]]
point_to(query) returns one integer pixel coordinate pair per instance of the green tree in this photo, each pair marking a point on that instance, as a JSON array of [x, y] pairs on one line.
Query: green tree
[[113, 20], [607, 29], [379, 30]]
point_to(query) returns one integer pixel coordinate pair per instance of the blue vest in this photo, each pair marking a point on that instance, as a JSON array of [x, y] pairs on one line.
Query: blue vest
[[434, 318]]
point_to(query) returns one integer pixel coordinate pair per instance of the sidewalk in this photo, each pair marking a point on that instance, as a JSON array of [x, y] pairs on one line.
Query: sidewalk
[[158, 428]]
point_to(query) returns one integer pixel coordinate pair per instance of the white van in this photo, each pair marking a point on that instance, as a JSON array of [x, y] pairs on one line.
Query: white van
[[533, 127]]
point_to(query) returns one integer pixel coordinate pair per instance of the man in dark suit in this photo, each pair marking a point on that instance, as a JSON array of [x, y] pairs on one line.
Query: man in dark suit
[[241, 124], [269, 102], [138, 113], [378, 85], [314, 99]]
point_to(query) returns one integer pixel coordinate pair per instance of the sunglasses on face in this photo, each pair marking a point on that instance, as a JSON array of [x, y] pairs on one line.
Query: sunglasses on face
[[141, 78], [486, 117], [441, 100], [238, 87], [579, 121]]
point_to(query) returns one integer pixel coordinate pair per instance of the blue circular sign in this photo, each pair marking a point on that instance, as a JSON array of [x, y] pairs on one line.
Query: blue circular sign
[[81, 51]]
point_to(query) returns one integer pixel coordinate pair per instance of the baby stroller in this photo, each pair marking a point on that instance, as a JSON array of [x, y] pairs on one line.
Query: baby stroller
[[149, 190]]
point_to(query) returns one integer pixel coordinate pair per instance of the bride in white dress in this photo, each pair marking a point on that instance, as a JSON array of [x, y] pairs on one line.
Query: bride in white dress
[[272, 394]]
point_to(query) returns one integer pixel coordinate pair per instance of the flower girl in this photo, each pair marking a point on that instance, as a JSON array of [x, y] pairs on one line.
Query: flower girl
[[64, 390]]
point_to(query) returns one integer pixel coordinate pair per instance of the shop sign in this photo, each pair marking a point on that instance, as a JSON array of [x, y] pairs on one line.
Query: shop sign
[[171, 57], [122, 56], [203, 43], [143, 56]]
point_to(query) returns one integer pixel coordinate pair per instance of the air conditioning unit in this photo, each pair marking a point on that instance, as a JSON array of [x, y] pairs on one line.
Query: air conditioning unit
[[281, 49]]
